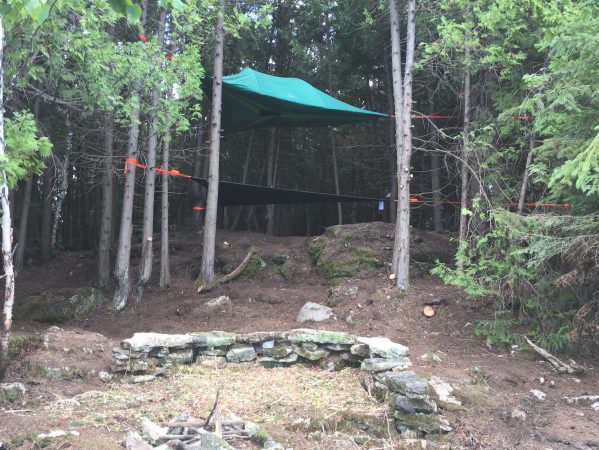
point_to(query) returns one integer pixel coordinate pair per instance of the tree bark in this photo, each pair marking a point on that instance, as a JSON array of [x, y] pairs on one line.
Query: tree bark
[[401, 248], [207, 270], [123, 258], [147, 247], [198, 192], [526, 173], [23, 225], [64, 183], [165, 272], [465, 153], [46, 225], [9, 277], [107, 191], [435, 166]]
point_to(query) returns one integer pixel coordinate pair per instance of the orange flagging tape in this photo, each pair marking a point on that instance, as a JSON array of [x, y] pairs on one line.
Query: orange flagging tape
[[199, 208], [172, 172]]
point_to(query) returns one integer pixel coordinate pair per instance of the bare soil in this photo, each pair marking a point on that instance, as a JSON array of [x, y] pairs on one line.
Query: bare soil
[[499, 410]]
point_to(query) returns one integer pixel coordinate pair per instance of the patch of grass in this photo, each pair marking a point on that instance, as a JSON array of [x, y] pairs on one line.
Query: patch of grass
[[18, 345], [284, 270], [315, 252]]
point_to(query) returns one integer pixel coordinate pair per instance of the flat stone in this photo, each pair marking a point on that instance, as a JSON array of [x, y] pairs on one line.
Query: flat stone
[[413, 405], [314, 312], [143, 379], [432, 357], [384, 364], [384, 347], [540, 395], [362, 350], [352, 359], [241, 353], [310, 351], [426, 423], [338, 347], [146, 342], [134, 441], [152, 430], [318, 336], [443, 392], [281, 350], [218, 302], [258, 337], [212, 339], [582, 400], [12, 392], [278, 362], [180, 357], [104, 376], [407, 383], [212, 351], [211, 441]]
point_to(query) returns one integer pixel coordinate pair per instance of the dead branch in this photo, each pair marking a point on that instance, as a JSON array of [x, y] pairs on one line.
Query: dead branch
[[213, 410], [230, 276], [558, 365]]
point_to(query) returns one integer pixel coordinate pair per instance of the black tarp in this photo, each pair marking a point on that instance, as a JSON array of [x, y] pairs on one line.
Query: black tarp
[[235, 194]]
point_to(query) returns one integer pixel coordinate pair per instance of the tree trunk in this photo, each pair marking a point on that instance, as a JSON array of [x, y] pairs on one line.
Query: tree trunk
[[106, 220], [147, 247], [207, 270], [165, 272], [46, 225], [198, 193], [526, 173], [64, 183], [401, 248], [465, 153], [270, 209], [123, 258], [435, 165], [23, 222], [9, 277]]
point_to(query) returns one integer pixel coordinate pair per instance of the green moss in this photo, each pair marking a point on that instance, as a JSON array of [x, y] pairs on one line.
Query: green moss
[[363, 260], [18, 345], [315, 252], [261, 436], [284, 270], [253, 267]]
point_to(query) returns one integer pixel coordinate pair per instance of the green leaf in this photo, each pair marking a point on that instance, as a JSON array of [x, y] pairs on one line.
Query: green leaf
[[178, 5], [133, 13]]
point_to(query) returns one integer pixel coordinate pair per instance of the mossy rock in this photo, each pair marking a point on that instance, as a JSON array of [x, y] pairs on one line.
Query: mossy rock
[[60, 305], [359, 260]]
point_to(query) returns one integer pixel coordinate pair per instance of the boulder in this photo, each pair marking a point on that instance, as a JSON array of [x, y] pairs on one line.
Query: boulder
[[407, 383], [318, 336], [313, 312], [241, 353], [58, 305], [146, 342], [443, 393], [424, 423], [310, 351], [219, 302], [413, 405], [280, 350], [384, 364], [384, 347], [213, 339]]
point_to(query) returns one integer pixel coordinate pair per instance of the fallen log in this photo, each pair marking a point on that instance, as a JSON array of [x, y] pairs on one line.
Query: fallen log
[[231, 276], [558, 365]]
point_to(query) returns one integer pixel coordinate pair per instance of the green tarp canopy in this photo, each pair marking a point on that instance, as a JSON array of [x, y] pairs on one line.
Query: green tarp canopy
[[253, 99]]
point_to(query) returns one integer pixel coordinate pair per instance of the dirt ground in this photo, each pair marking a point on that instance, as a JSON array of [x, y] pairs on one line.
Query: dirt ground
[[494, 385]]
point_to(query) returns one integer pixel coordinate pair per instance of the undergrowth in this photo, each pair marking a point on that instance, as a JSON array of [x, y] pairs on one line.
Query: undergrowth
[[538, 270]]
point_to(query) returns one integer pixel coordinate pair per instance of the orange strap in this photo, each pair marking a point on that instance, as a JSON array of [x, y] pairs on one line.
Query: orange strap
[[199, 208], [172, 172]]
